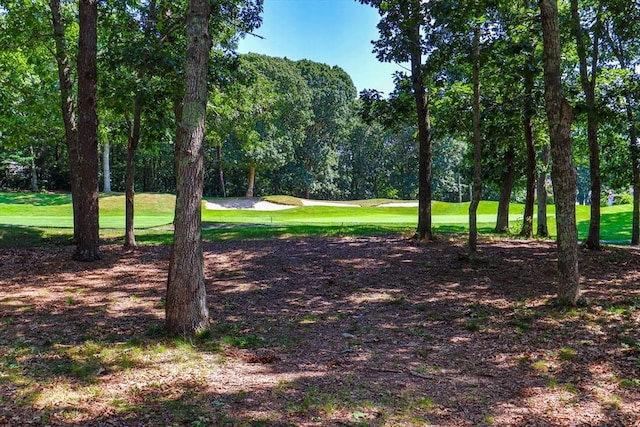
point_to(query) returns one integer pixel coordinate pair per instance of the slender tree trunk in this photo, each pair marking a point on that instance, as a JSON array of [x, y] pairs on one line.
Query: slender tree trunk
[[68, 110], [88, 244], [563, 174], [424, 231], [187, 312], [223, 186], [589, 89], [133, 141], [618, 51], [635, 231], [593, 238], [252, 180], [477, 145], [34, 170], [508, 178], [106, 166], [541, 191], [307, 190], [635, 164], [527, 220]]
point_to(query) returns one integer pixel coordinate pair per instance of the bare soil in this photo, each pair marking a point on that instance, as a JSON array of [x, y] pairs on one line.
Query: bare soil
[[367, 331]]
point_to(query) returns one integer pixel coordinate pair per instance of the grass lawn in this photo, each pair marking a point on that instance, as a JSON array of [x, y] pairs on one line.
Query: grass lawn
[[29, 218]]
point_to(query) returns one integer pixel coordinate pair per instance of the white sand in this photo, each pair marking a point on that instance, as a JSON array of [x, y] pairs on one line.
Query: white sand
[[258, 205], [261, 205]]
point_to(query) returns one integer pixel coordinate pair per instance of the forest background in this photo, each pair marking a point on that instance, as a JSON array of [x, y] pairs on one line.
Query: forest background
[[278, 126]]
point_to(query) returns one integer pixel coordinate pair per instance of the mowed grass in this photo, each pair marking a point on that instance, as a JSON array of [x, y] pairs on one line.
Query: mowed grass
[[29, 218]]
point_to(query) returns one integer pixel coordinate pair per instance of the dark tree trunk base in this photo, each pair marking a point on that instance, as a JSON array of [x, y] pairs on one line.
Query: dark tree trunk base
[[87, 255]]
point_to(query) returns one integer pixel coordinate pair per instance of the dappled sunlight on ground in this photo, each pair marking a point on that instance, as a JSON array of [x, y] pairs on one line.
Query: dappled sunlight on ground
[[322, 332]]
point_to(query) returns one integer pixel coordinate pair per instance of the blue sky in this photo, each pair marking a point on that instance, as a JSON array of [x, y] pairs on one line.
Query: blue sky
[[334, 32]]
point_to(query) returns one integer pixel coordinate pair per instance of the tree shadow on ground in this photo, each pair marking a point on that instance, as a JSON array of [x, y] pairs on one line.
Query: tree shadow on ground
[[337, 331], [36, 199], [621, 222]]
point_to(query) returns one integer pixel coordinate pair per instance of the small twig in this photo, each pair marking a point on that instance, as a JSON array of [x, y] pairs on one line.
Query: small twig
[[419, 375]]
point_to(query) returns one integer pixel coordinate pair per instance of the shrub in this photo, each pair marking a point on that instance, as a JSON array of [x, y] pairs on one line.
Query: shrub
[[623, 199]]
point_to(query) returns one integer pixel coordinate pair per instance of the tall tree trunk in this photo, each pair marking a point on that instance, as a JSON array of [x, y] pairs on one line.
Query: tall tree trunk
[[508, 178], [187, 312], [424, 231], [88, 244], [635, 161], [252, 181], [528, 112], [563, 174], [132, 146], [106, 166], [34, 170], [619, 52], [589, 89], [477, 144], [541, 191], [68, 110], [223, 186], [133, 141]]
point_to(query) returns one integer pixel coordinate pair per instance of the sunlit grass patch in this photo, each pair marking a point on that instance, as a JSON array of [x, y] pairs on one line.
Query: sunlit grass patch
[[612, 401], [567, 353], [542, 366]]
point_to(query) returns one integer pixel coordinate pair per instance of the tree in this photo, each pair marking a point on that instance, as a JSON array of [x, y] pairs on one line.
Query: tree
[[266, 115], [563, 174], [332, 94], [187, 312], [528, 112], [541, 191], [29, 132], [140, 58], [400, 26], [476, 137], [68, 109], [621, 36], [88, 243], [588, 80]]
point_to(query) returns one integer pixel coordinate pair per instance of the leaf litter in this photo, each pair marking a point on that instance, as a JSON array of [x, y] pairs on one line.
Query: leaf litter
[[352, 331]]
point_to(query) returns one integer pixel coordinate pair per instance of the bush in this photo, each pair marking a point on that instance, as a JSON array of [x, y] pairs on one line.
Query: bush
[[623, 199]]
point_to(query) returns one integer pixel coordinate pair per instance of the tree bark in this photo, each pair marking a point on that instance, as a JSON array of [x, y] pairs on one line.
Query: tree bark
[[106, 166], [132, 146], [424, 231], [187, 312], [88, 244], [223, 186], [589, 88], [563, 173], [541, 191], [619, 53], [508, 178], [528, 112], [133, 141], [477, 144], [635, 162], [252, 180], [34, 170], [68, 110]]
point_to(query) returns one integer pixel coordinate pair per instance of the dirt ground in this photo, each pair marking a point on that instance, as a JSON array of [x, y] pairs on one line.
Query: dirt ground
[[366, 331]]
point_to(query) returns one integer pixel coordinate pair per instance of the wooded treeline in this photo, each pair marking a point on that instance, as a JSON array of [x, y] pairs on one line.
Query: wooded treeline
[[276, 126], [293, 127]]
